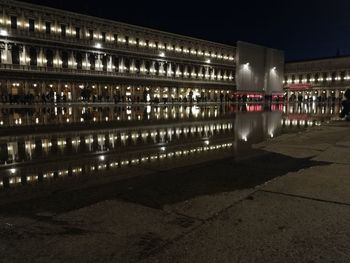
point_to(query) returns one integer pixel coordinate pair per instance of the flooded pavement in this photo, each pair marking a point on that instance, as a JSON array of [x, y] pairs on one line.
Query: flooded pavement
[[43, 144], [125, 182]]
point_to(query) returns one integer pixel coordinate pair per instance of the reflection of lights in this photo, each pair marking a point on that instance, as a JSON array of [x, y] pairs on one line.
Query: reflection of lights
[[13, 170], [132, 161]]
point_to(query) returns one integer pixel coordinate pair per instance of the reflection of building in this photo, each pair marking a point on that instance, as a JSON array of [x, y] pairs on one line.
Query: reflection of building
[[317, 80], [101, 150]]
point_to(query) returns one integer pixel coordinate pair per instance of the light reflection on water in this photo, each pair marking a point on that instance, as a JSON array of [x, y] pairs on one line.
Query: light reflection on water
[[40, 144]]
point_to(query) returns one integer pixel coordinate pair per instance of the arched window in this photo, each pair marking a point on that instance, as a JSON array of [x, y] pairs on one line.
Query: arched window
[[15, 55], [79, 60], [49, 58], [104, 62], [92, 61], [33, 56], [64, 59]]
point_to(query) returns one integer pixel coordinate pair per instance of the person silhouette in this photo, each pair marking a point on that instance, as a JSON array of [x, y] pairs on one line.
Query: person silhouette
[[346, 106]]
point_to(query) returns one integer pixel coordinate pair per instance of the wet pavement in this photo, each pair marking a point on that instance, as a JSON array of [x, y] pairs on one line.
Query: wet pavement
[[172, 183]]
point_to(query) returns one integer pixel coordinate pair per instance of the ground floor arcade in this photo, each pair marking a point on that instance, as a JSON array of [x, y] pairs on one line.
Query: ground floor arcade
[[315, 94], [31, 91]]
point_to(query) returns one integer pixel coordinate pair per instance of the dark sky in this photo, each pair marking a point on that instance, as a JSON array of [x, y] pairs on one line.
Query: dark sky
[[304, 29]]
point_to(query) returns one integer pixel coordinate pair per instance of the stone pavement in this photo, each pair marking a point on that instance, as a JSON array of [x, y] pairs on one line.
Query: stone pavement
[[297, 209]]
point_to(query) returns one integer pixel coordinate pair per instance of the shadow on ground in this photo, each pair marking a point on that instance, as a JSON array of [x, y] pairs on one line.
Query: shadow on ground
[[168, 187]]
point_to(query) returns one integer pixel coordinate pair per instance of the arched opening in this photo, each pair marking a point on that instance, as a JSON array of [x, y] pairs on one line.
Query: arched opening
[[104, 62], [79, 60], [15, 55], [92, 61], [49, 58], [33, 56], [64, 58]]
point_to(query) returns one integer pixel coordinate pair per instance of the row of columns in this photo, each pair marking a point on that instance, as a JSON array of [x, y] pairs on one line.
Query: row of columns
[[315, 94], [161, 68], [59, 92]]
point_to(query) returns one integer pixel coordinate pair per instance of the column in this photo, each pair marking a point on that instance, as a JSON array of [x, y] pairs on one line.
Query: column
[[86, 62], [74, 92], [24, 56], [72, 62], [43, 88], [8, 87], [7, 54], [110, 64], [59, 90], [337, 94], [41, 58], [98, 63], [57, 60], [26, 87]]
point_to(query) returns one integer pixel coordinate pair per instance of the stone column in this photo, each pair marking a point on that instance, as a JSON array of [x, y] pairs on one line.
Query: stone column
[[337, 94], [86, 62], [43, 88], [57, 59], [59, 89], [98, 63], [72, 62], [110, 64], [7, 54], [8, 87], [26, 87], [74, 92], [41, 58], [23, 58]]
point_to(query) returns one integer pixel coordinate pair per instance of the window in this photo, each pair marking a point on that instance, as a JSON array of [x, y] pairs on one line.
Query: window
[[64, 57], [49, 58], [33, 56], [91, 34], [79, 60], [63, 30], [13, 22], [15, 55], [31, 25], [77, 33], [104, 36], [48, 28]]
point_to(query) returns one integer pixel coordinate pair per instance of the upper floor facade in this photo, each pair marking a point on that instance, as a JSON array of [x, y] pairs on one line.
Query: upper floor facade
[[41, 40]]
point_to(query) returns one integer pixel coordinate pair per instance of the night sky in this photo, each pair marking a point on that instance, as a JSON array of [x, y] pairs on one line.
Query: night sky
[[304, 29]]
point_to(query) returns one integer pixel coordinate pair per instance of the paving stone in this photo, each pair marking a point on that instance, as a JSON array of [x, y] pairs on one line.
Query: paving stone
[[268, 228], [327, 182]]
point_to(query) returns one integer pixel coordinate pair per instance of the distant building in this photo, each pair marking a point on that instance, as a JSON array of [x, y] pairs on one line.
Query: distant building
[[323, 79], [260, 70]]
